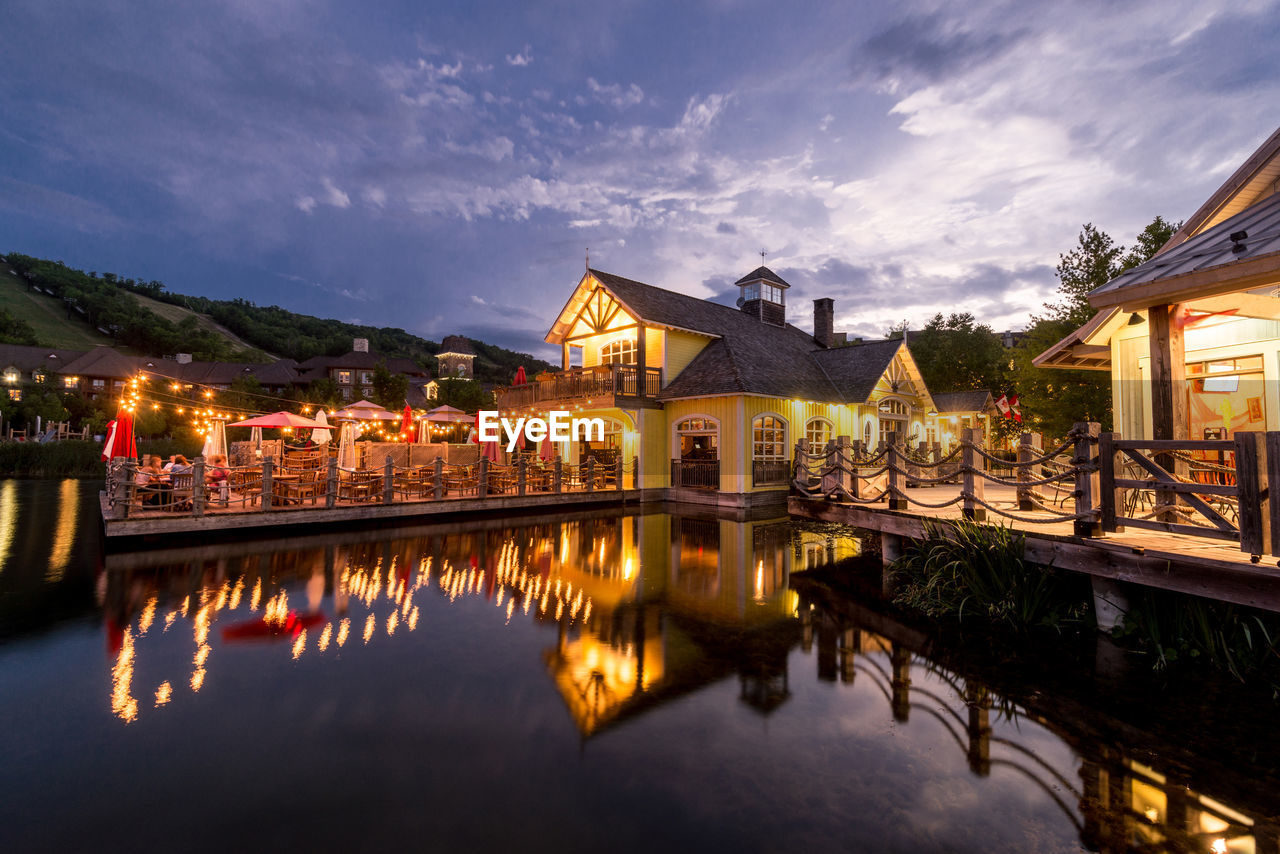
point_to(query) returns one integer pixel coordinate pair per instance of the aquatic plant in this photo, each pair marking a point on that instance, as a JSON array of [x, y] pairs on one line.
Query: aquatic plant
[[964, 568]]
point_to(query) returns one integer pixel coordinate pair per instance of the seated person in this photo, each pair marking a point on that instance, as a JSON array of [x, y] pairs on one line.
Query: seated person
[[155, 492], [216, 477], [178, 465]]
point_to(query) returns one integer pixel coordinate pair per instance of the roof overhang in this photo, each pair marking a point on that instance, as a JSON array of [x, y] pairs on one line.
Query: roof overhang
[[1255, 178], [1086, 349], [1256, 272], [578, 299]]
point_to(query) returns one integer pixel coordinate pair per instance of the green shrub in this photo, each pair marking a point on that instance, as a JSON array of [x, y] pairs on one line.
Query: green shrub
[[72, 458], [963, 568]]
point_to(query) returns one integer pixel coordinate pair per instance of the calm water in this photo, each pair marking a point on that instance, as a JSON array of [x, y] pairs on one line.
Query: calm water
[[593, 684]]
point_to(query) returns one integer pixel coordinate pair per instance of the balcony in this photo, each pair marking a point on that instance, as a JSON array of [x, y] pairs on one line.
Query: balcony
[[602, 385], [695, 474]]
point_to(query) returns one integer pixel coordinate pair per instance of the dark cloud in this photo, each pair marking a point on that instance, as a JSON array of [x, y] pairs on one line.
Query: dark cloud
[[726, 228], [923, 49]]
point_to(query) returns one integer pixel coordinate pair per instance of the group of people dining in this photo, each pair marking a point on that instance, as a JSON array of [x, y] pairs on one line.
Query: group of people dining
[[156, 479]]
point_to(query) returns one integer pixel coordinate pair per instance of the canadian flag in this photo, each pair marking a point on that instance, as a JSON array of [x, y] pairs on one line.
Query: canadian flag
[[1013, 406], [1003, 405]]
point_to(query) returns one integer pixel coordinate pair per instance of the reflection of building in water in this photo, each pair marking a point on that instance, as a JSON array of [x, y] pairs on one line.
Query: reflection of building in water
[[1115, 802], [696, 599]]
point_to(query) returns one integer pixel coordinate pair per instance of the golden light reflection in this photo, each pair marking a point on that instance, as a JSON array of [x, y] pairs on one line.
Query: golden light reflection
[[123, 704], [299, 644], [369, 626], [64, 532], [163, 693], [393, 620], [344, 629], [202, 655], [256, 597], [197, 680], [147, 616], [169, 618], [325, 634], [8, 519]]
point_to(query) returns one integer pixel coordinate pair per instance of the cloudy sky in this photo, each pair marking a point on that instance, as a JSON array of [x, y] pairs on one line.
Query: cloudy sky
[[443, 166]]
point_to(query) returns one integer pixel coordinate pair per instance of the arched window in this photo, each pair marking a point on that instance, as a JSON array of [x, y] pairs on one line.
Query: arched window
[[698, 438], [894, 415], [818, 432], [769, 438], [620, 352]]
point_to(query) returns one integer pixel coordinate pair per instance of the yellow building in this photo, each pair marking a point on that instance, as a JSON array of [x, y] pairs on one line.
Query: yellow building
[[711, 399], [1191, 337]]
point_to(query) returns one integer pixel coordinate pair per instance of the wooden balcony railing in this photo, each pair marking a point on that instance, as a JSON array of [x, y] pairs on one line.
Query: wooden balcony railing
[[770, 472], [695, 474], [600, 383]]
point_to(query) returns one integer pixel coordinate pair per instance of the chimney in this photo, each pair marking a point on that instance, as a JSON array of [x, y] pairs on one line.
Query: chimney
[[824, 318], [360, 345], [183, 358]]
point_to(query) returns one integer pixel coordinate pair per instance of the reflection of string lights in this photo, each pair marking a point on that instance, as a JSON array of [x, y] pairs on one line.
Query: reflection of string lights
[[122, 701]]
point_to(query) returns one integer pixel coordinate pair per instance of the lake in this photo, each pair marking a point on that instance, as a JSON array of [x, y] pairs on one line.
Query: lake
[[662, 680]]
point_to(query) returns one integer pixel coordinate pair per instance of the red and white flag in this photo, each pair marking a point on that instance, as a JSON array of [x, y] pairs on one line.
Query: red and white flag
[[1013, 406], [1003, 405]]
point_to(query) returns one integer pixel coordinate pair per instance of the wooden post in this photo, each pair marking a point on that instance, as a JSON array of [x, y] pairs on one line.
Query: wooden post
[[1169, 418], [800, 466], [1251, 483], [522, 465], [268, 498], [437, 478], [590, 473], [617, 474], [123, 487], [197, 488], [1273, 474], [482, 473], [557, 475], [388, 480], [331, 484], [641, 362], [897, 461], [635, 472], [1111, 497], [1028, 449], [1088, 486], [972, 485]]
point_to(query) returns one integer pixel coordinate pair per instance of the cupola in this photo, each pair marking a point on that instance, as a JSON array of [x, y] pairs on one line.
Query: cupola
[[762, 295]]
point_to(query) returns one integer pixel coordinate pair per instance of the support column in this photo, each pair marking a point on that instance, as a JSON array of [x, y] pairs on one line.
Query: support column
[[1169, 419], [640, 360], [1110, 602]]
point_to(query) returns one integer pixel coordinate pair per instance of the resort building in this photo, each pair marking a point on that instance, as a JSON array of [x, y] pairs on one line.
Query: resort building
[[711, 399], [1192, 336], [456, 358], [353, 372]]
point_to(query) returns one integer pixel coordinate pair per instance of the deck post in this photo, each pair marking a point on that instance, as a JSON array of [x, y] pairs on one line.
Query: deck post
[[1111, 497], [1273, 473], [617, 473], [197, 488], [437, 478], [1028, 449], [331, 483], [557, 476], [922, 456], [972, 486], [123, 486], [1088, 486], [268, 496], [522, 465], [589, 473], [482, 477], [896, 461], [1169, 417], [635, 472], [1251, 486], [388, 480], [800, 466], [840, 468]]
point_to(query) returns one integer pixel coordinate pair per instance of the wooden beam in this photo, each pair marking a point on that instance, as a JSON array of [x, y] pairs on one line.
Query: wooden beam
[[1168, 373]]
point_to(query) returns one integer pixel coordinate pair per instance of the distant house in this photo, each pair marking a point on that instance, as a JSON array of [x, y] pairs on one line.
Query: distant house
[[22, 366], [455, 358], [712, 399], [960, 410], [353, 371]]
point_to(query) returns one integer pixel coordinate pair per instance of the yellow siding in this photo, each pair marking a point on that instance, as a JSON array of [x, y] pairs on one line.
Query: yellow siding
[[680, 350], [654, 348]]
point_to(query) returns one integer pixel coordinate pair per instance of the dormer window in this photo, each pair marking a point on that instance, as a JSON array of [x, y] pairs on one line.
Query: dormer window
[[762, 296]]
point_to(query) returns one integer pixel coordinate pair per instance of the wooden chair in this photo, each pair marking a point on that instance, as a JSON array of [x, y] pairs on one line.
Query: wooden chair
[[247, 483], [304, 486], [183, 491]]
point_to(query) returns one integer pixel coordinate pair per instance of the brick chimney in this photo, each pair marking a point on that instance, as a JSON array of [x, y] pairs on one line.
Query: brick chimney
[[824, 319], [183, 358], [360, 345]]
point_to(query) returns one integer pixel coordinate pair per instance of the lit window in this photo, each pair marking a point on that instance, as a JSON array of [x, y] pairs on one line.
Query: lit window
[[344, 378], [366, 377], [71, 382], [818, 432], [621, 352], [15, 394], [37, 376], [768, 438]]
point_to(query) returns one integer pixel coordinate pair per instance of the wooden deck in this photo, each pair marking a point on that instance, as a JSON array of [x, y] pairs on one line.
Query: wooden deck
[[1210, 568]]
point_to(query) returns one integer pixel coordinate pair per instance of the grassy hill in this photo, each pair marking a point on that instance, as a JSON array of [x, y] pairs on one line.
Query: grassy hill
[[146, 318]]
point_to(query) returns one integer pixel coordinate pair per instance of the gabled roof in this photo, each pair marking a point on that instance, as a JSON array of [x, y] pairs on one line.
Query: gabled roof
[[1207, 264], [1254, 180], [963, 401], [26, 358], [1081, 349], [762, 273], [105, 362], [359, 360]]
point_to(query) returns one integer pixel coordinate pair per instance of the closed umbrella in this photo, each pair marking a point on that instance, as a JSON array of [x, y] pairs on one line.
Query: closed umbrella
[[321, 435], [255, 436], [547, 451], [406, 424], [120, 440], [520, 376], [215, 443]]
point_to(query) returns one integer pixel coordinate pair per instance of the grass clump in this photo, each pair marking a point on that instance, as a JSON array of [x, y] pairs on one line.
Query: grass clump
[[963, 568]]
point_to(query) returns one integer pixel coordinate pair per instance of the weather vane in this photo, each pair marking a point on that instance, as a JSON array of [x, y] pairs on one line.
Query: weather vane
[[588, 257], [762, 254]]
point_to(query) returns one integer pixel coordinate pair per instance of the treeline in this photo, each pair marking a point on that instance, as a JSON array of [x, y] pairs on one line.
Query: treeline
[[105, 301]]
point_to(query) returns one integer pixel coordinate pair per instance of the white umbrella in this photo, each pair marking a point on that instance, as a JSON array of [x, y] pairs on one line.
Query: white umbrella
[[255, 436], [216, 442], [347, 445], [321, 435]]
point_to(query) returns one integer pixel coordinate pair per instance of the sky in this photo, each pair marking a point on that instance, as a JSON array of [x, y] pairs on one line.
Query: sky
[[444, 167]]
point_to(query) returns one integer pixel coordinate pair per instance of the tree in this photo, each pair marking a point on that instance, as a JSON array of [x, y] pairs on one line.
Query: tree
[[15, 330], [1054, 399], [389, 390], [467, 395], [956, 353]]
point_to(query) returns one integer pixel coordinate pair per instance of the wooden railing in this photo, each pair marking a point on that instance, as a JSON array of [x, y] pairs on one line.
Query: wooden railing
[[617, 381], [269, 486], [1099, 483], [770, 472], [695, 474]]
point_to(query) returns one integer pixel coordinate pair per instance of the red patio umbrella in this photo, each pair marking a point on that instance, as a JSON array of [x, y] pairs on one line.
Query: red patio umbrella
[[120, 440], [520, 377], [406, 423]]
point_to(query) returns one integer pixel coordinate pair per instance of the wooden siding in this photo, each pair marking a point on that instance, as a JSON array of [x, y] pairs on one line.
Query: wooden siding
[[681, 349]]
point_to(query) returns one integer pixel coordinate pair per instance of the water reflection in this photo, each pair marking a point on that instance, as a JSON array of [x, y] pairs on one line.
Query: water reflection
[[702, 661]]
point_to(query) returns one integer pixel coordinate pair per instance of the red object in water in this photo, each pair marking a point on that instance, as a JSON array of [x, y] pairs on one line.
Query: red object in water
[[260, 629]]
